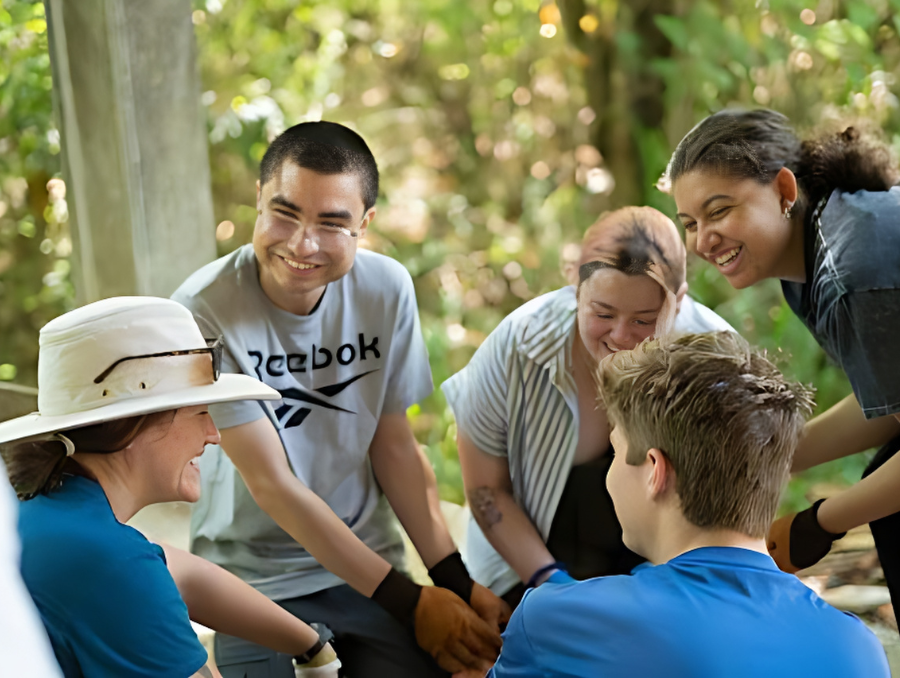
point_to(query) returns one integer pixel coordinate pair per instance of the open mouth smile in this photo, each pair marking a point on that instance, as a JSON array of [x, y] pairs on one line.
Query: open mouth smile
[[727, 257]]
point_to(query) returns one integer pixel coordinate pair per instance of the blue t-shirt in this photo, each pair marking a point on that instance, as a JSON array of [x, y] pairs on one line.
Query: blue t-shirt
[[851, 298], [708, 613], [103, 591]]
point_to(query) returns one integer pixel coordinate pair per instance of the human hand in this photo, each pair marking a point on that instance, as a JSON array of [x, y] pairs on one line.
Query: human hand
[[489, 607], [452, 633], [797, 541]]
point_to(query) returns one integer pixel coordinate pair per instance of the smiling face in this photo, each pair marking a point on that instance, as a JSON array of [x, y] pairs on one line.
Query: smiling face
[[169, 454], [738, 226], [617, 311], [304, 234]]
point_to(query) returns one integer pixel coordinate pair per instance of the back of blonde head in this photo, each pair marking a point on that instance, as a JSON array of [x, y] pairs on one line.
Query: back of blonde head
[[722, 413]]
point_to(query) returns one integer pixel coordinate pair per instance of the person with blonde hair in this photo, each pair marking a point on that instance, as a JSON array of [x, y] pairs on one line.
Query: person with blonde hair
[[124, 386], [532, 445], [704, 431]]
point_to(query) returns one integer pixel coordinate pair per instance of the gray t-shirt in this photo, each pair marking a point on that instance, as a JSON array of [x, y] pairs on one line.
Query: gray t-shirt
[[357, 356]]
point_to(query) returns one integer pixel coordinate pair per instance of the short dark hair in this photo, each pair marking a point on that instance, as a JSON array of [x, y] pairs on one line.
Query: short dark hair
[[722, 413], [756, 144], [326, 148]]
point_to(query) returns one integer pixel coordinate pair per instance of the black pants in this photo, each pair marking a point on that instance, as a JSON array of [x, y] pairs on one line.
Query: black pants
[[370, 643], [887, 530], [585, 533]]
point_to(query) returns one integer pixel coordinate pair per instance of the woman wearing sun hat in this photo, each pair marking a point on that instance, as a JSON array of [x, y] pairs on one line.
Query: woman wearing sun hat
[[123, 386]]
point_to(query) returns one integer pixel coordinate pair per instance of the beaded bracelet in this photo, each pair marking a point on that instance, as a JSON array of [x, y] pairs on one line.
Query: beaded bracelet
[[544, 570]]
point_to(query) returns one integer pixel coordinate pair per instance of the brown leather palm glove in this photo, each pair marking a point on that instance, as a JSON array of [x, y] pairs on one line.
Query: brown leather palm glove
[[495, 611], [797, 541], [451, 632], [451, 573], [445, 627]]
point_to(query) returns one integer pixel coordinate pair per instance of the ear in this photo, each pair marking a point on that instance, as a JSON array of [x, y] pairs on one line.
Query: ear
[[786, 185], [258, 196], [365, 222], [659, 480]]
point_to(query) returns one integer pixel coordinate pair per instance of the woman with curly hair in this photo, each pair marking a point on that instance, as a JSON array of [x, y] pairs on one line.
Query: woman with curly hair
[[822, 214]]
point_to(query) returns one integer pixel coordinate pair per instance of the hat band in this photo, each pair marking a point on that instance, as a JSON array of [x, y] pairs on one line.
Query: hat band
[[129, 381]]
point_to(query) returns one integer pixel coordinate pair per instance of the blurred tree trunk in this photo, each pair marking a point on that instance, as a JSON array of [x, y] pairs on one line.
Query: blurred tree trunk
[[135, 159], [624, 92]]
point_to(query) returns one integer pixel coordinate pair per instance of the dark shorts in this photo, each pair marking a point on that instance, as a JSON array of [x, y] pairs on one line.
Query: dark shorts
[[370, 642]]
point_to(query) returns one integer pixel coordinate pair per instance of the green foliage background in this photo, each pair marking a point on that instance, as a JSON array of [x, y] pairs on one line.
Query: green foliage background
[[502, 128]]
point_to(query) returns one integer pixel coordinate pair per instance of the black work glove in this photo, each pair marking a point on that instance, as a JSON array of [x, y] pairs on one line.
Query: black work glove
[[797, 541]]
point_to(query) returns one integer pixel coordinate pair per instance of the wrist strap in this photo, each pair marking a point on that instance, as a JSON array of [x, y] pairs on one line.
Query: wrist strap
[[544, 570], [451, 573], [325, 636], [815, 515], [398, 595]]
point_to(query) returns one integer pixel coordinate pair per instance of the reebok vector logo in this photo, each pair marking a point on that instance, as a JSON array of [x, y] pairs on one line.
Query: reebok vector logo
[[293, 412]]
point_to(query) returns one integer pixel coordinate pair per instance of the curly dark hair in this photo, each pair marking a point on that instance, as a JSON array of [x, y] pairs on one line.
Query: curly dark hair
[[756, 144]]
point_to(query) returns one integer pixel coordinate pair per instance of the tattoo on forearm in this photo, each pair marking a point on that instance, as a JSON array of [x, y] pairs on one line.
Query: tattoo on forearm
[[205, 672], [484, 506]]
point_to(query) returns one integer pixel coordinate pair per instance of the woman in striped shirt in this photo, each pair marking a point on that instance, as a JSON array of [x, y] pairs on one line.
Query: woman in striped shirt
[[533, 444]]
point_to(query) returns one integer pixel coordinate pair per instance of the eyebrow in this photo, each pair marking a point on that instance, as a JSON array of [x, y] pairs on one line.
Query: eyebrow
[[613, 308], [706, 203], [284, 202]]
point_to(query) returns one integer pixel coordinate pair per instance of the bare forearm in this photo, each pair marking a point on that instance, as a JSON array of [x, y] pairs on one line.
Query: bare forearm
[[841, 431], [873, 497], [509, 530], [219, 600], [309, 520], [408, 481]]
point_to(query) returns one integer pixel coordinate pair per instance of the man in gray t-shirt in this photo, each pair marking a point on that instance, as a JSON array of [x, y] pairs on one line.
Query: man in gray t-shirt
[[300, 499]]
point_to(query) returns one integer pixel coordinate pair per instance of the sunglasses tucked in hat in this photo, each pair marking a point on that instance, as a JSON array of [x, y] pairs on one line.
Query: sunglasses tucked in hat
[[123, 357]]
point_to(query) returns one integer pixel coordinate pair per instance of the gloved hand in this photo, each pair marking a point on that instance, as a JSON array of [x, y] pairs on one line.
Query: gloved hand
[[797, 541], [494, 610], [451, 573], [445, 627], [451, 632]]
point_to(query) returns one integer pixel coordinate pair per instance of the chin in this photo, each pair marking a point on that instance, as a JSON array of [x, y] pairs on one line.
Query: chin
[[190, 496], [599, 352]]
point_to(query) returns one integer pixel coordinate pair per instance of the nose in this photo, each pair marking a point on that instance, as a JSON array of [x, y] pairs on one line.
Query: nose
[[212, 433], [304, 240], [621, 336], [705, 240]]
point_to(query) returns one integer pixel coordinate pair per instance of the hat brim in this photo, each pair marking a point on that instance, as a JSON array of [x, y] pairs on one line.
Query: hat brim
[[228, 388]]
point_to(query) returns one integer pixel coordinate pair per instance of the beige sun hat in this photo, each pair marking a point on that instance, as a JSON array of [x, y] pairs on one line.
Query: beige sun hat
[[122, 357]]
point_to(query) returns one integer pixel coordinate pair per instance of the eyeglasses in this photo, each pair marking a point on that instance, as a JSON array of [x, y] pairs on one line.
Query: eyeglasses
[[213, 346]]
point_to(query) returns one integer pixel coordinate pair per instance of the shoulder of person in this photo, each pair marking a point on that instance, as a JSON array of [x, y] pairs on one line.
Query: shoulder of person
[[389, 274], [548, 308], [863, 214], [223, 273]]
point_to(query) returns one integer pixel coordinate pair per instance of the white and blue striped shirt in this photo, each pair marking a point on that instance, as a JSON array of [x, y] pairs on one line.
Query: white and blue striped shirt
[[516, 399]]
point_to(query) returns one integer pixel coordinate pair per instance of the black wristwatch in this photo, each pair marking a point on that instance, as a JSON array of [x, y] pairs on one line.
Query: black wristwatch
[[325, 636]]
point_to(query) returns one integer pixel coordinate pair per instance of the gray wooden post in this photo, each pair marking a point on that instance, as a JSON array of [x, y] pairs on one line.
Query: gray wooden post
[[133, 144]]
